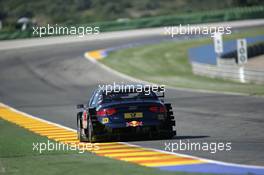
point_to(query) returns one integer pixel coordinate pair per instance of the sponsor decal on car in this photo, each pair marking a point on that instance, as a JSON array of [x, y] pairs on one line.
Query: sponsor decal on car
[[133, 115], [105, 120], [134, 123]]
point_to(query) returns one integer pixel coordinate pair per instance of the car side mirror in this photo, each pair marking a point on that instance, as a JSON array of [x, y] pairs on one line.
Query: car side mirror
[[80, 106]]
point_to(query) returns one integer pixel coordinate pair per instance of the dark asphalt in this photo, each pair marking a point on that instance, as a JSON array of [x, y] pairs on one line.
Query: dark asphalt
[[49, 81]]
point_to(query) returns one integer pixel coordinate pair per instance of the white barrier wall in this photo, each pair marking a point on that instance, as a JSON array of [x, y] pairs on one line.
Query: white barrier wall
[[228, 69]]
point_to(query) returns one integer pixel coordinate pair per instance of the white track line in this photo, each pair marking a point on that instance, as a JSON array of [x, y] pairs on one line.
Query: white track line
[[130, 78], [37, 118], [183, 89], [125, 143], [195, 157]]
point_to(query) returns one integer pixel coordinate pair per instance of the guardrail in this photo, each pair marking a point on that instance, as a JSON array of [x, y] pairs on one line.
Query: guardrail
[[204, 62], [228, 69], [206, 54], [252, 51]]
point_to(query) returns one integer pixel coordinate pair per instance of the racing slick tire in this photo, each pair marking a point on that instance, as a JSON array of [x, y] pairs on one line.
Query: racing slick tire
[[170, 122], [90, 131], [80, 137]]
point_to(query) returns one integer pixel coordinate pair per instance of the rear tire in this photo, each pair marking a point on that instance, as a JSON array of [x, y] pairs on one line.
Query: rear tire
[[91, 136], [80, 137], [170, 122]]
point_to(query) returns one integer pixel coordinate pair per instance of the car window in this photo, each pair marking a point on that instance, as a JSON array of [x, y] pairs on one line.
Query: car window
[[94, 99], [127, 96], [99, 99], [91, 98]]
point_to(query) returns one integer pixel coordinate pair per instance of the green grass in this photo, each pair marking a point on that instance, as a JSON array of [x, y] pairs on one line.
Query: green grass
[[17, 157], [167, 63]]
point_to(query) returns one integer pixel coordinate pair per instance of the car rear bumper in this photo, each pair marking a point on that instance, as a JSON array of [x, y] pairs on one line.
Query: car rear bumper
[[144, 131], [125, 134], [127, 124]]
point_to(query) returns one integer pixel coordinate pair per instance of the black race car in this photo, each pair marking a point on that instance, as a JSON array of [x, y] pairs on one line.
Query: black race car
[[128, 113]]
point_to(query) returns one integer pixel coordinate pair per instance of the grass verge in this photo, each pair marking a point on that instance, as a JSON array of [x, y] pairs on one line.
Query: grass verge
[[17, 157], [167, 63]]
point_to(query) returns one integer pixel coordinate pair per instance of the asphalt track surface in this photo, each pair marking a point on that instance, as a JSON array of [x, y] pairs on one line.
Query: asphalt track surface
[[48, 81]]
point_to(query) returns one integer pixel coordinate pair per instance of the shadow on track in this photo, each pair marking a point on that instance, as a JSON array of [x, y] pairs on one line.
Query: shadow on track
[[145, 138]]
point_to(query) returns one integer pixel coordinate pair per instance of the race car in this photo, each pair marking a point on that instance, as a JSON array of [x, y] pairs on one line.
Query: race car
[[118, 114]]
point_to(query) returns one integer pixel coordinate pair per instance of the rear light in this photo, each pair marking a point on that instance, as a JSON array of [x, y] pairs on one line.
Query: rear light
[[162, 109], [157, 109], [106, 112], [84, 115]]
